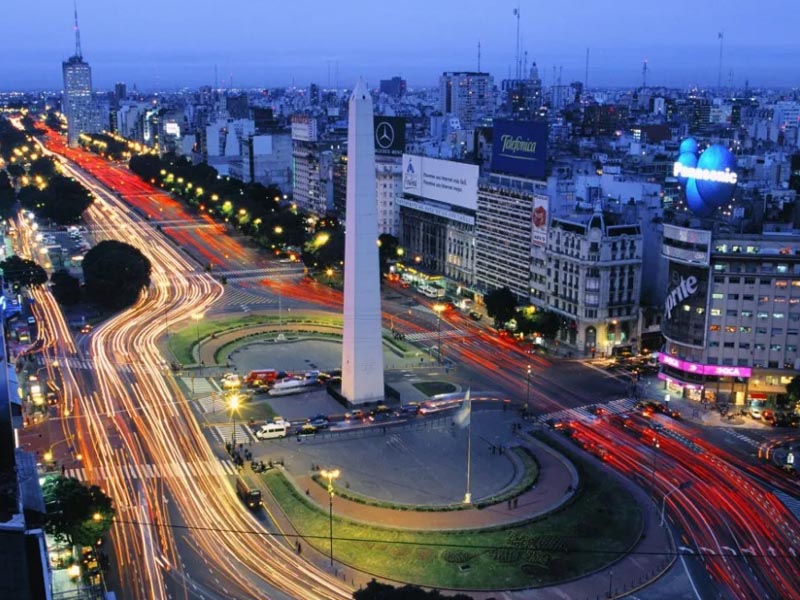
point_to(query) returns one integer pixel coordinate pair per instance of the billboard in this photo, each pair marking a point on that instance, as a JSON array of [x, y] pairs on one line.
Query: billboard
[[700, 369], [709, 180], [520, 148], [684, 319], [304, 128], [540, 219], [443, 180], [390, 136]]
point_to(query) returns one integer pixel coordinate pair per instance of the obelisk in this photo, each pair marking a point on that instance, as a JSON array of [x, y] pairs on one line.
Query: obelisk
[[362, 352]]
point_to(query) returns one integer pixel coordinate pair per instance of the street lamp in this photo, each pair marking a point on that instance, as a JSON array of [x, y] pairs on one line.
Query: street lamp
[[233, 404], [330, 476], [656, 446], [680, 487], [439, 309], [528, 393], [197, 317]]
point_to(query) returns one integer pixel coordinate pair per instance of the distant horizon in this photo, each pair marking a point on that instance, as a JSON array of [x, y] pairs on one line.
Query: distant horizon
[[168, 48]]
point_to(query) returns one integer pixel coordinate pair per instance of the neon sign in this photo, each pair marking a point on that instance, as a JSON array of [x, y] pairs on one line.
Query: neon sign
[[699, 369]]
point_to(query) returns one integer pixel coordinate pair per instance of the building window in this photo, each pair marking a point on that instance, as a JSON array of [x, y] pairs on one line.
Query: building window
[[749, 280], [748, 297], [733, 279], [717, 296], [747, 314], [728, 344], [731, 313], [777, 331], [781, 283], [777, 316], [715, 312], [713, 328], [763, 315], [745, 330], [730, 329], [733, 296], [775, 347], [744, 345]]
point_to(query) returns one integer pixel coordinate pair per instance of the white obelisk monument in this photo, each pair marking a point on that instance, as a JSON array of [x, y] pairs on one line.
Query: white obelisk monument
[[362, 353]]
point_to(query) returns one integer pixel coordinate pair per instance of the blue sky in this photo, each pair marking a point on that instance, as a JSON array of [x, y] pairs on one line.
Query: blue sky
[[265, 43]]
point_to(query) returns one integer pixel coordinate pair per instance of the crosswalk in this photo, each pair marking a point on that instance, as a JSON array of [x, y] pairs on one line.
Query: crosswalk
[[235, 296], [432, 335], [222, 468], [209, 404], [584, 413], [199, 385], [741, 437], [224, 433], [73, 362]]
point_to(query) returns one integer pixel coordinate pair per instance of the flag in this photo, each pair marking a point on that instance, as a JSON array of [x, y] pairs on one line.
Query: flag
[[719, 35], [516, 12], [464, 413]]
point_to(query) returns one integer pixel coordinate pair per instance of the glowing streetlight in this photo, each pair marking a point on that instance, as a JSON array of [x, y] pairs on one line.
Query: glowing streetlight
[[233, 404], [330, 476]]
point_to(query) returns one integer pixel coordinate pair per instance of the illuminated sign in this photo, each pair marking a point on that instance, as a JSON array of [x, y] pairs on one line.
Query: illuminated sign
[[446, 181], [390, 136], [709, 180], [519, 148], [713, 370], [685, 289], [539, 230], [684, 320]]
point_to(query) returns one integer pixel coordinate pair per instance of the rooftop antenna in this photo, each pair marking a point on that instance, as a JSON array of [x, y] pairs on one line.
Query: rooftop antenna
[[586, 73], [644, 74], [479, 57], [78, 51], [721, 38], [215, 78], [516, 14], [525, 66]]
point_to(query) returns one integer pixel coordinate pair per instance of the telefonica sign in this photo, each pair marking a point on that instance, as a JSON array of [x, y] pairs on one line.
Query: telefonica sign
[[714, 370], [519, 148], [709, 180]]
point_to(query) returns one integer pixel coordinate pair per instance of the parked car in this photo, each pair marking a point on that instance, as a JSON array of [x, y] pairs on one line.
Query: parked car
[[474, 315], [355, 415]]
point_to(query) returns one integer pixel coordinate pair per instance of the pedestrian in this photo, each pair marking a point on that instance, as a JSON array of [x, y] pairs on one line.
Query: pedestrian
[[384, 429], [509, 503], [299, 548], [63, 470], [515, 502]]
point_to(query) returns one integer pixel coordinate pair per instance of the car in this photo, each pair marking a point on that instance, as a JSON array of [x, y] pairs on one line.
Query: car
[[409, 410], [405, 285], [355, 415], [307, 429], [380, 417], [475, 316], [87, 328], [318, 421], [52, 398]]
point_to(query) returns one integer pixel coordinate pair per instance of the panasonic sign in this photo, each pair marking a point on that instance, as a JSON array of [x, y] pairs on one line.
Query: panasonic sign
[[686, 288], [726, 176]]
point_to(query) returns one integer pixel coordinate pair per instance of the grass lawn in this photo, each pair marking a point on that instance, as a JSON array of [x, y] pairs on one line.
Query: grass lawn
[[431, 388], [601, 523]]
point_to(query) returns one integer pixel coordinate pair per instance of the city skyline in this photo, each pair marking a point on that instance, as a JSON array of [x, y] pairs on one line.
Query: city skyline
[[184, 45]]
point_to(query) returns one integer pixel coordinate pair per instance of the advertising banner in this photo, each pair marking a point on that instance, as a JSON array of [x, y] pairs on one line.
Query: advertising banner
[[541, 218], [684, 319], [390, 136], [699, 369], [442, 180], [520, 148]]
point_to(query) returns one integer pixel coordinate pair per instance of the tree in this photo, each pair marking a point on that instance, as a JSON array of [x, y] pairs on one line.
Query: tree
[[793, 389], [66, 288], [547, 323], [384, 591], [76, 513], [501, 304], [387, 251], [8, 196], [114, 274], [23, 271], [63, 200]]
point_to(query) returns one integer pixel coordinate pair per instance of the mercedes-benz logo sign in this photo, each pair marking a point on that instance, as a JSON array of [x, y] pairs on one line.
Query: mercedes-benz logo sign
[[384, 135]]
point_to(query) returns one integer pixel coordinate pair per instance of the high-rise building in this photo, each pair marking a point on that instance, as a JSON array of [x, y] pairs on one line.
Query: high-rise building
[[467, 95], [395, 87], [120, 92], [77, 105]]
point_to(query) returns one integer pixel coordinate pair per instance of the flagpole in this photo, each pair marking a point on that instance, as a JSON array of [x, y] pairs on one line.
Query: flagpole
[[468, 495]]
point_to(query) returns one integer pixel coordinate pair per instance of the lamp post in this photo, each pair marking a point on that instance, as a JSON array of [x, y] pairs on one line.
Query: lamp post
[[528, 392], [610, 581], [439, 309], [330, 476], [656, 446], [233, 404], [197, 317]]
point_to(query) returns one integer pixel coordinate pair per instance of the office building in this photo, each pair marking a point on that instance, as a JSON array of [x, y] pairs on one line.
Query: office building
[[394, 87], [467, 95], [731, 314], [77, 104], [594, 272]]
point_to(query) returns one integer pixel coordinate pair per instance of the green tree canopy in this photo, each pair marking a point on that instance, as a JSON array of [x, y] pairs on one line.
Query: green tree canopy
[[384, 591], [501, 305], [63, 200], [546, 323], [23, 271], [388, 251], [114, 274], [66, 288], [793, 389], [8, 196], [76, 513]]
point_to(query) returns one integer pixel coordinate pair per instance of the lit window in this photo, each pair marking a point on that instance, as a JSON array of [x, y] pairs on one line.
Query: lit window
[[713, 327], [715, 312]]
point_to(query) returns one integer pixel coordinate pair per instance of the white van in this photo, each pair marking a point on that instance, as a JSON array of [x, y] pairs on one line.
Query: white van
[[272, 431], [230, 381]]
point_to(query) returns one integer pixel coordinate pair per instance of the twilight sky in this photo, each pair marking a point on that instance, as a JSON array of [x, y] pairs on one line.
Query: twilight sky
[[168, 44]]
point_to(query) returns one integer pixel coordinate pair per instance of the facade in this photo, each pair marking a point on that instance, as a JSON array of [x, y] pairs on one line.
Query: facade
[[78, 105], [503, 232], [467, 95], [362, 343], [731, 314], [594, 272], [388, 184], [395, 87], [265, 159]]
